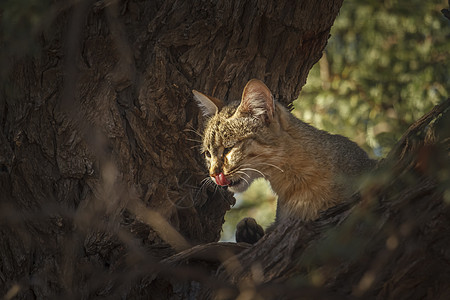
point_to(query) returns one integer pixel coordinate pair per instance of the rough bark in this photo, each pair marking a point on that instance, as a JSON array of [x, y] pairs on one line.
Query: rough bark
[[99, 176]]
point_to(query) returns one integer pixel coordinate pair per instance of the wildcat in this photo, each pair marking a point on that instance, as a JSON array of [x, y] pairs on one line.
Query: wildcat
[[309, 169]]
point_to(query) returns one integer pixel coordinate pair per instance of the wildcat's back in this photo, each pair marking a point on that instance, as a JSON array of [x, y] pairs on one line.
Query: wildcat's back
[[310, 170]]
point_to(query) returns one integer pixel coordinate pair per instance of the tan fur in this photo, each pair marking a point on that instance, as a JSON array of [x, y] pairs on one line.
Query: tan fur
[[310, 170]]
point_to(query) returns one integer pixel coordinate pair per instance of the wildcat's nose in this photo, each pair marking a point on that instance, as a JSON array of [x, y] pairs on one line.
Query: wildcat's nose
[[221, 179]]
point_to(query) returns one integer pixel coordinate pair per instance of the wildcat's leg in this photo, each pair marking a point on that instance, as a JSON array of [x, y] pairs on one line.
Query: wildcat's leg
[[248, 231]]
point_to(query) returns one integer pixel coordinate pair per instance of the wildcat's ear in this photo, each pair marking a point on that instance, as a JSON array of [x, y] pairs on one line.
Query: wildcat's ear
[[209, 105], [257, 100]]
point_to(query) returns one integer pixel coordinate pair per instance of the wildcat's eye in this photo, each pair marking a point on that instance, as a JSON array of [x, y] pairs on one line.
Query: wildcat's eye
[[207, 154], [227, 150]]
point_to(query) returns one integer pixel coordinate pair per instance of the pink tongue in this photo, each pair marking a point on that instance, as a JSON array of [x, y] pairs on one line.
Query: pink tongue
[[221, 179]]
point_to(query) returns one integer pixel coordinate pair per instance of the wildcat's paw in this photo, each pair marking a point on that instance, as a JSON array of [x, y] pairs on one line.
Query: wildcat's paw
[[248, 231]]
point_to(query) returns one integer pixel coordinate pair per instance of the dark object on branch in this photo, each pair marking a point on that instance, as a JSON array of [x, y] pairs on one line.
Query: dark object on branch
[[247, 230], [446, 12]]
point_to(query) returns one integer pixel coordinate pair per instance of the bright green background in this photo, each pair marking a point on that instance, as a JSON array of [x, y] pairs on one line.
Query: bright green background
[[386, 64]]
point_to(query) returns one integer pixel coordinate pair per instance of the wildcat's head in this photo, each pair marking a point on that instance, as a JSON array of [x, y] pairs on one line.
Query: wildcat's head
[[236, 137]]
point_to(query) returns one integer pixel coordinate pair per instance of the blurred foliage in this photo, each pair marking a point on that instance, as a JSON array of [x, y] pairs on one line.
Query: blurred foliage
[[386, 64]]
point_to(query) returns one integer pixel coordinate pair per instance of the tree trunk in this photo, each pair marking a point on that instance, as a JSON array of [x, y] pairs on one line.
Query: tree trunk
[[100, 178]]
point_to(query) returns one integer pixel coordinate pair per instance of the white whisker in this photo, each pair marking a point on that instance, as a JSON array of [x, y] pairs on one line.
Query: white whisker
[[205, 182], [242, 172], [252, 169], [272, 165], [264, 163], [205, 179], [194, 131], [245, 180], [192, 140]]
